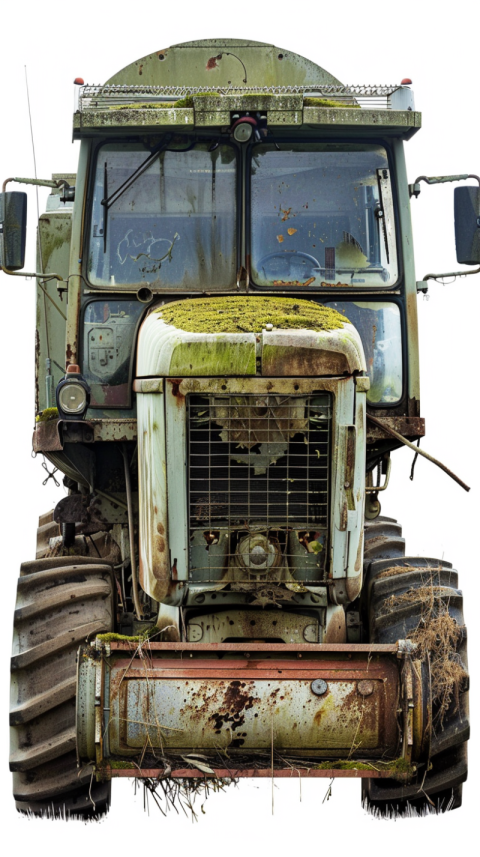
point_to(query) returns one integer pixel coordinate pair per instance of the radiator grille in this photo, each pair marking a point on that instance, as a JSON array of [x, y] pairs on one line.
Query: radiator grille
[[256, 464]]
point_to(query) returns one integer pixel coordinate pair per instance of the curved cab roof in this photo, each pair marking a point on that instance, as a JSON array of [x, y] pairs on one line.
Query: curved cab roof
[[223, 62]]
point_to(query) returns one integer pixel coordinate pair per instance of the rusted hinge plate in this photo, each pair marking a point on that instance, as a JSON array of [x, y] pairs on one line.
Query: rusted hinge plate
[[410, 427]]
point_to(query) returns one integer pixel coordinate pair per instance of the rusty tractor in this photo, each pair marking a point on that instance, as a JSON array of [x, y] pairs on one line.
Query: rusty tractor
[[217, 595]]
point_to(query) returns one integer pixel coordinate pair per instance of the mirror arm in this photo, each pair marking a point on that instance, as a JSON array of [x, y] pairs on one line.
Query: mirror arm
[[422, 284], [414, 189], [43, 183], [27, 274]]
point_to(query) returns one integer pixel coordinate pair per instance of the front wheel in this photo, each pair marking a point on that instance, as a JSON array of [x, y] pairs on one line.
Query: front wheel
[[61, 602], [418, 599]]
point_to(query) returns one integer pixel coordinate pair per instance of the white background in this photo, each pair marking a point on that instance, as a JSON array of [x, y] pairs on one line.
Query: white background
[[361, 42]]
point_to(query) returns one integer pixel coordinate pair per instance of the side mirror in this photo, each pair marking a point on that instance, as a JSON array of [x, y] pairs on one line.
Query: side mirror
[[13, 229], [467, 224]]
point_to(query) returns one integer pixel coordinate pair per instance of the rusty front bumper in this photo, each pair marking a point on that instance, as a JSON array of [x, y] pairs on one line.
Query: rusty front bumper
[[250, 709]]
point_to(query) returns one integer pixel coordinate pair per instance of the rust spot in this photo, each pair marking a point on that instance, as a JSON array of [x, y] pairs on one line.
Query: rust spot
[[155, 510], [160, 543], [302, 361], [174, 571], [175, 383], [232, 710], [140, 69], [69, 353], [160, 527], [365, 687], [212, 62]]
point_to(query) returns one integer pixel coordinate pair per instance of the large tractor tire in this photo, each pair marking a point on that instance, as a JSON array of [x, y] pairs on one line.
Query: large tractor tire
[[418, 598], [61, 602]]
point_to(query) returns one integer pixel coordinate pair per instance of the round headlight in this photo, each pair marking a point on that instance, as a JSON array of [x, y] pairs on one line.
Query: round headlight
[[72, 398], [258, 554]]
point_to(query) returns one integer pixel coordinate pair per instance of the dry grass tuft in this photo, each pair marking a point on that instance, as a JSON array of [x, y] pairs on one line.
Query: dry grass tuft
[[404, 569], [181, 795], [436, 636]]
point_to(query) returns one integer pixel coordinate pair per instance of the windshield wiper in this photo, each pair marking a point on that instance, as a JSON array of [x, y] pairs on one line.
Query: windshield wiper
[[384, 210], [108, 201], [105, 213]]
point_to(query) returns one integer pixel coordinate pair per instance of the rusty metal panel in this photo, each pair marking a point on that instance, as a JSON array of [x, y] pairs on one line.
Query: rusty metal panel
[[260, 624], [304, 352], [272, 708], [299, 649], [316, 699], [117, 430], [152, 474], [258, 386], [176, 445], [240, 711], [46, 437], [410, 427]]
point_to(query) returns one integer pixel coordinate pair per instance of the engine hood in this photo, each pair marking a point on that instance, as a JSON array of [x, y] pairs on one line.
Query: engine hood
[[166, 349]]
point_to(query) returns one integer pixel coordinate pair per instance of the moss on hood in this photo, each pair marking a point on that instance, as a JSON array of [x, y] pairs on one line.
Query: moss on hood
[[252, 314]]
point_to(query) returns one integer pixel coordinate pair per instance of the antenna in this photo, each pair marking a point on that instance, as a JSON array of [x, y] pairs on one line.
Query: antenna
[[33, 142], [48, 371]]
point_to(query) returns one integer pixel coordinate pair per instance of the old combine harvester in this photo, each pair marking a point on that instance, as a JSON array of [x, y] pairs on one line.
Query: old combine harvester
[[226, 358]]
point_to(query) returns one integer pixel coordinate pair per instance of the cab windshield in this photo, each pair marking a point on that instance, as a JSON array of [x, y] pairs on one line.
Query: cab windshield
[[380, 329], [164, 216], [322, 215]]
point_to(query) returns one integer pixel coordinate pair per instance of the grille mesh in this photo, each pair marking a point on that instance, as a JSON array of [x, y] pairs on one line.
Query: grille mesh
[[256, 464]]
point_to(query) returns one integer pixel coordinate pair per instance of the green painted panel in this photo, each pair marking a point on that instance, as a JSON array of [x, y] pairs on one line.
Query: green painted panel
[[53, 253], [222, 62]]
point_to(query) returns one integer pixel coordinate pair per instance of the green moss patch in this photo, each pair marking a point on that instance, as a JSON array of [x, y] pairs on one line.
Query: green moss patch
[[326, 102], [149, 105], [123, 638], [187, 101], [46, 415], [251, 314]]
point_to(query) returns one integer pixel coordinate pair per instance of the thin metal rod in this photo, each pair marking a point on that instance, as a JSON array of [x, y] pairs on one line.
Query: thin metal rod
[[131, 538], [417, 450], [44, 277], [450, 274]]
